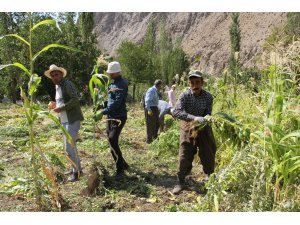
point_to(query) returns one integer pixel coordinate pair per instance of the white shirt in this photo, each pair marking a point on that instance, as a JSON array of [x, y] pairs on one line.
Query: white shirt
[[59, 102], [172, 98]]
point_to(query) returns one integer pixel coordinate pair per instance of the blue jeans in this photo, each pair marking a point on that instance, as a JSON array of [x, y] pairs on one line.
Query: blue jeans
[[72, 152]]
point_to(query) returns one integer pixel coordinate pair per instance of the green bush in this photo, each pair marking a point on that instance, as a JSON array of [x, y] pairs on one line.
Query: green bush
[[167, 143]]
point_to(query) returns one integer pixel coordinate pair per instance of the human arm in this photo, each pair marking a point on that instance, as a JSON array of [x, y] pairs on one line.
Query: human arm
[[149, 99], [117, 96], [179, 110]]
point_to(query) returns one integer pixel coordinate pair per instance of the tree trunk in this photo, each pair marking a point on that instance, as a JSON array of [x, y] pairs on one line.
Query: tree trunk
[[14, 91], [133, 92]]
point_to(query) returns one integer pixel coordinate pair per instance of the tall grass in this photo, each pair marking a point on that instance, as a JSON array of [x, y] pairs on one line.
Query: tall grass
[[258, 159]]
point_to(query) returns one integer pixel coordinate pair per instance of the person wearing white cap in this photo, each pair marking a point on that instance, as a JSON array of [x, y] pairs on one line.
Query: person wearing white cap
[[116, 110], [68, 107], [193, 105]]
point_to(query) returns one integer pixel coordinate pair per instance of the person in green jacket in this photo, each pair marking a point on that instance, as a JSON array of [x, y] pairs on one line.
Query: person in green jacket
[[68, 107]]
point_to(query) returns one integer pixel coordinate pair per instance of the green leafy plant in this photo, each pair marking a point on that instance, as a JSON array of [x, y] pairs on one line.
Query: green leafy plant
[[98, 86], [32, 111]]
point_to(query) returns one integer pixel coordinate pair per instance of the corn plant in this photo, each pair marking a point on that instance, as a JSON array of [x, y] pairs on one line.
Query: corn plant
[[228, 126], [281, 142], [32, 111], [98, 86]]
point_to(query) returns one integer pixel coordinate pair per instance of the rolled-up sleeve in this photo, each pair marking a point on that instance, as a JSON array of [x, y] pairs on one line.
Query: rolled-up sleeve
[[149, 98]]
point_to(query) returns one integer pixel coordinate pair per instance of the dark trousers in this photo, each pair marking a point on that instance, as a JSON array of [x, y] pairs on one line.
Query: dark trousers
[[152, 124], [113, 130], [204, 144]]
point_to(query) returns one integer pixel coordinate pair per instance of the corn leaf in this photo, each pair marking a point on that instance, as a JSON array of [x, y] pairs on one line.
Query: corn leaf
[[91, 88], [16, 36], [293, 134], [46, 48], [19, 65], [33, 84], [56, 121], [44, 22]]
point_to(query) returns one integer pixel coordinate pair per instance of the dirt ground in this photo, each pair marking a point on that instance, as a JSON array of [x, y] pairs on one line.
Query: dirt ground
[[146, 187]]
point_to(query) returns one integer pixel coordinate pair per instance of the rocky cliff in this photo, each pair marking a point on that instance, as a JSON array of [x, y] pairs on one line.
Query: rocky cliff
[[204, 35]]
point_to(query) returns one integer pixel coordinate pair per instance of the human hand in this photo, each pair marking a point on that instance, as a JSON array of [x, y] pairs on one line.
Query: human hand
[[57, 110], [150, 113], [52, 105], [208, 118], [172, 111], [200, 119]]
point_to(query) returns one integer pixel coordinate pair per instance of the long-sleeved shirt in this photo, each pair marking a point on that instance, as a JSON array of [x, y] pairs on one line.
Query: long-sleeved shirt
[[172, 97], [190, 106], [59, 103], [70, 102], [163, 108], [117, 94], [151, 98]]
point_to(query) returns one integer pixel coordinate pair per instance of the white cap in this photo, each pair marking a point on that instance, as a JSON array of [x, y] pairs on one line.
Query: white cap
[[114, 67]]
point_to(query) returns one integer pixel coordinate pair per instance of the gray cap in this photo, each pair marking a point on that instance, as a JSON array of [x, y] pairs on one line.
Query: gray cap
[[195, 73], [157, 82]]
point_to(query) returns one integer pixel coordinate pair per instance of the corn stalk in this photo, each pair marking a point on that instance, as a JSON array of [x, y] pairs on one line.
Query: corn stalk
[[32, 111], [98, 86]]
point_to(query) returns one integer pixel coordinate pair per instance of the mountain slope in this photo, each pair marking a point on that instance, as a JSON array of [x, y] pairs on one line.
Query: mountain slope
[[203, 34]]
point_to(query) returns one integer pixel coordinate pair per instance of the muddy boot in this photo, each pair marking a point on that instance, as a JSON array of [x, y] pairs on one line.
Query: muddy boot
[[206, 177], [73, 177], [119, 176], [180, 186], [67, 173]]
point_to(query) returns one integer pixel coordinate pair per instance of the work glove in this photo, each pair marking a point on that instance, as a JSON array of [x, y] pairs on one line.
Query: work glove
[[209, 118], [200, 119], [150, 113], [172, 111]]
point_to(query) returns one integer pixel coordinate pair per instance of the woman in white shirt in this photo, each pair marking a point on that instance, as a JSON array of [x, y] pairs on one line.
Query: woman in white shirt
[[172, 96]]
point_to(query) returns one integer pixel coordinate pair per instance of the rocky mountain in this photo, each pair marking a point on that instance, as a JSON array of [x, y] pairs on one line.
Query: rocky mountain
[[204, 35]]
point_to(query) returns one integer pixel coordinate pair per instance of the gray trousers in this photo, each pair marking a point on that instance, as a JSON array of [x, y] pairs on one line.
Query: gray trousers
[[152, 124], [72, 152]]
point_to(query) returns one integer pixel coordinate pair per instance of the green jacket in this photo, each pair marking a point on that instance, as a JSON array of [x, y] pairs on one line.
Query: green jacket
[[71, 101]]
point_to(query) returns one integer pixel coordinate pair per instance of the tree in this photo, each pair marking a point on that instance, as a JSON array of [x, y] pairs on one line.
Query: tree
[[133, 59], [11, 50], [150, 60]]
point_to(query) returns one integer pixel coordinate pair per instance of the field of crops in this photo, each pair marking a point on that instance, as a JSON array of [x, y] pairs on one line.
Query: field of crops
[[258, 158], [255, 119]]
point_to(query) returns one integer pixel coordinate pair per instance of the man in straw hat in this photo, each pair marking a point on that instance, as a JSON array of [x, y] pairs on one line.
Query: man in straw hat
[[67, 106], [116, 111], [193, 105]]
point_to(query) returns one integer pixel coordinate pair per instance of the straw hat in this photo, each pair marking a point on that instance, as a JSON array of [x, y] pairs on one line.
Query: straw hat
[[52, 68]]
